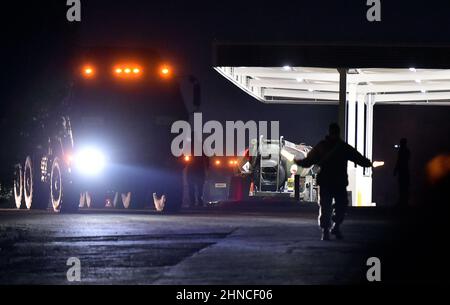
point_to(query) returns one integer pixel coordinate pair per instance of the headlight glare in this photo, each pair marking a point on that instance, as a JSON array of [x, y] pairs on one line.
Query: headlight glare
[[90, 161]]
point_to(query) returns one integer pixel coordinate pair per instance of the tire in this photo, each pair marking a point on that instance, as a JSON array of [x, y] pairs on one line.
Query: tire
[[63, 196], [18, 185], [34, 191]]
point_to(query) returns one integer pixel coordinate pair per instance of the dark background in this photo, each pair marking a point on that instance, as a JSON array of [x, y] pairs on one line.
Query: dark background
[[37, 40]]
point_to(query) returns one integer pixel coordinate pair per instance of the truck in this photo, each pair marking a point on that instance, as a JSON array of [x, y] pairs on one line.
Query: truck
[[274, 171], [108, 141], [265, 169], [222, 170]]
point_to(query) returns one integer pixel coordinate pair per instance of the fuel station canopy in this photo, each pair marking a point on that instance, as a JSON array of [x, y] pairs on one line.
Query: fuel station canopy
[[354, 77], [305, 85]]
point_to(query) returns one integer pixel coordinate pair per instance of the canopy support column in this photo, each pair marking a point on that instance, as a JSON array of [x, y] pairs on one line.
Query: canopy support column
[[360, 130], [343, 102]]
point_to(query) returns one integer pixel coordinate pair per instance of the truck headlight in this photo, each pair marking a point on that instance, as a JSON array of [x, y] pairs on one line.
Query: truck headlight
[[90, 161]]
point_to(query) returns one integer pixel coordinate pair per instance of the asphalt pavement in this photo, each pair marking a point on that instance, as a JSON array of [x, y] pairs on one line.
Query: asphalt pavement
[[204, 246]]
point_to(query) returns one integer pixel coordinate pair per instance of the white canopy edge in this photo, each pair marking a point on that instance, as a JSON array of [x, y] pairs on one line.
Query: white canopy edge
[[300, 85]]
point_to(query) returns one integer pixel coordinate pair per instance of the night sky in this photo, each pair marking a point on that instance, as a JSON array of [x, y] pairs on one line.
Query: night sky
[[184, 31]]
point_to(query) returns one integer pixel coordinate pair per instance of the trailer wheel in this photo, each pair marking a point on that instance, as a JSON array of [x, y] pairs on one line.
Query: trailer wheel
[[18, 185], [62, 194], [33, 188], [28, 183], [127, 199]]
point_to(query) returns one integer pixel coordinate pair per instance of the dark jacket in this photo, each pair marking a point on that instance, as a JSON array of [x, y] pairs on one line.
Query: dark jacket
[[332, 156]]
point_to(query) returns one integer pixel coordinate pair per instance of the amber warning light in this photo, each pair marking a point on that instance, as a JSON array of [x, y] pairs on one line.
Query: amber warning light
[[165, 71], [127, 71], [88, 71]]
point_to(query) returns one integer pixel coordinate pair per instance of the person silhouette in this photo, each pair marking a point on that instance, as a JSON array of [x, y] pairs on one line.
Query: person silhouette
[[332, 155], [196, 172], [401, 170]]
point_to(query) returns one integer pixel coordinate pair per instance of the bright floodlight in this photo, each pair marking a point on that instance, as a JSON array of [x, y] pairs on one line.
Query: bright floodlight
[[378, 164], [90, 161]]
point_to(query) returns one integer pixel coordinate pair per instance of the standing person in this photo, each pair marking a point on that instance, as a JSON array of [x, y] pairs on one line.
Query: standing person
[[332, 155], [196, 172], [401, 170]]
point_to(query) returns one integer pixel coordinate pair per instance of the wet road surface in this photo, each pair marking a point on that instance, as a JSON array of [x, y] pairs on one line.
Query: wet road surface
[[196, 247]]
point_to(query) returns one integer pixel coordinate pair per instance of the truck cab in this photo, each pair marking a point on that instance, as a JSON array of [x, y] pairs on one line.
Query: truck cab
[[110, 143]]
